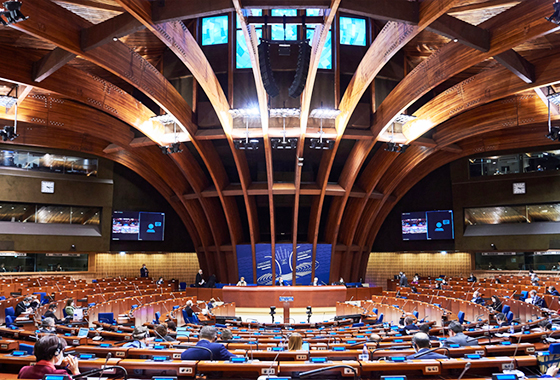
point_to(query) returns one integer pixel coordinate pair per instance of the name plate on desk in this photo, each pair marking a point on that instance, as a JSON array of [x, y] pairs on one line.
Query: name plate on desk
[[287, 299]]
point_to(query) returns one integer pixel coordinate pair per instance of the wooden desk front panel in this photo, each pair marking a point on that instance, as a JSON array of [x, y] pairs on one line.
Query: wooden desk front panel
[[266, 296]]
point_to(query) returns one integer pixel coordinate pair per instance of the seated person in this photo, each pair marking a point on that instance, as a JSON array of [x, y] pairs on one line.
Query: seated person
[[50, 314], [315, 282], [47, 326], [24, 306], [415, 279], [160, 281], [552, 291], [295, 342], [48, 352], [280, 282], [162, 333], [413, 289], [472, 278], [545, 326], [188, 309], [534, 299], [171, 325], [421, 344], [534, 279], [409, 326], [69, 309], [339, 282], [456, 336], [206, 339], [139, 336], [501, 320], [496, 304], [242, 282], [425, 328], [226, 335], [210, 304], [477, 298]]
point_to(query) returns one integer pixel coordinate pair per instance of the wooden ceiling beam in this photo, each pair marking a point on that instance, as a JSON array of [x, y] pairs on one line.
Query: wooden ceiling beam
[[509, 29], [393, 37], [176, 10], [461, 31], [105, 32], [22, 93], [93, 4], [50, 63], [484, 5], [387, 10], [518, 65]]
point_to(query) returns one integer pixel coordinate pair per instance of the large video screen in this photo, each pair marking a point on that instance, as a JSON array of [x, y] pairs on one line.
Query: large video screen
[[138, 225], [427, 225]]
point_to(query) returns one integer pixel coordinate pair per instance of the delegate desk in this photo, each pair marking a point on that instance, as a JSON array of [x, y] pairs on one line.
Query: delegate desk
[[266, 296]]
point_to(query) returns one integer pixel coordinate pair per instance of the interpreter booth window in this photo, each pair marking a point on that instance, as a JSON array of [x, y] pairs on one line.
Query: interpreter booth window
[[526, 162], [499, 261], [47, 162], [549, 212], [49, 214], [43, 262]]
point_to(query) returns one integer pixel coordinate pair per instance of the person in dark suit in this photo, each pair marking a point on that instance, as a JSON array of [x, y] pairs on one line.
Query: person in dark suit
[[552, 291], [207, 337], [188, 309], [534, 299], [50, 314], [47, 326], [24, 306], [144, 272], [456, 336], [425, 328], [421, 343], [409, 326], [477, 298], [472, 278], [199, 281], [280, 282], [211, 281], [403, 281]]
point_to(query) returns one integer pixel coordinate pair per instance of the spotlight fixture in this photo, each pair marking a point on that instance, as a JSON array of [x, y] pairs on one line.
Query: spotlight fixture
[[11, 13], [245, 113], [396, 148], [403, 118], [173, 148], [8, 133], [321, 114], [555, 18], [284, 143], [7, 101]]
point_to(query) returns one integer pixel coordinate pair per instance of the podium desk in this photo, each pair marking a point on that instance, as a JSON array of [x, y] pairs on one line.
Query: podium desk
[[266, 296], [7, 345], [116, 351], [509, 350], [178, 367], [287, 368], [250, 368]]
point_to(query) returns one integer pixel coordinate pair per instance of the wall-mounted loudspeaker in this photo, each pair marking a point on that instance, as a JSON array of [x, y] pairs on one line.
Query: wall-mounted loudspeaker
[[301, 72], [266, 70]]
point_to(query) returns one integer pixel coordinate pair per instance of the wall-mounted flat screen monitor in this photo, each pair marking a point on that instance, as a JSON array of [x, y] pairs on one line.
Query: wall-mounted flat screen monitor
[[138, 225], [427, 225]]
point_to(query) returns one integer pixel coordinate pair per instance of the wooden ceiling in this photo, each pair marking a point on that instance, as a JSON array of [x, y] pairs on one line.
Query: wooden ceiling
[[97, 95]]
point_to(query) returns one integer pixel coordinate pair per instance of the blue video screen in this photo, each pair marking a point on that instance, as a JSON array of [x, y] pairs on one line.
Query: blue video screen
[[427, 225], [138, 226]]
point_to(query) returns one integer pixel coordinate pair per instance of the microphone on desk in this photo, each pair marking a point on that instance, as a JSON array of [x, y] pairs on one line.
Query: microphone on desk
[[109, 354], [467, 366]]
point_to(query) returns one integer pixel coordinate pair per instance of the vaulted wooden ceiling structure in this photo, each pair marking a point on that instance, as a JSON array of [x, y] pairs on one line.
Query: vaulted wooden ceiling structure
[[92, 73]]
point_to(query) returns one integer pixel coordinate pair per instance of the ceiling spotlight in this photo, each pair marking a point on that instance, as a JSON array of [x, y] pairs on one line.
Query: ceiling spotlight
[[7, 101], [284, 143], [324, 113], [12, 13], [165, 119], [396, 148], [321, 144], [8, 133], [553, 133], [284, 112], [555, 18], [173, 148], [246, 144]]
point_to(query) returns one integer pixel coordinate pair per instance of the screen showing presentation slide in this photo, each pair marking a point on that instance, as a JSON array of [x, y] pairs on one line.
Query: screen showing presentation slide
[[138, 226], [427, 225]]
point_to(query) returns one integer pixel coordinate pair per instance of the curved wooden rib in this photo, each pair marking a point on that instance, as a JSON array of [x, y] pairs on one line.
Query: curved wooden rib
[[17, 65], [388, 42], [484, 87], [528, 110], [509, 29], [179, 40], [317, 45]]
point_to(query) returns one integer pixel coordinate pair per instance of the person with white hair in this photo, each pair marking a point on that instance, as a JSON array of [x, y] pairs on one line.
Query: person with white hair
[[188, 309]]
